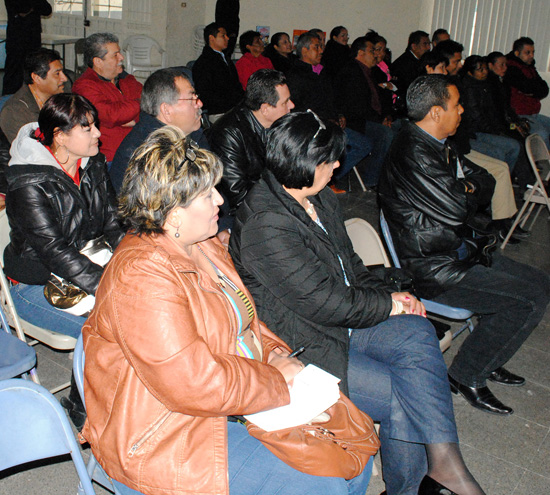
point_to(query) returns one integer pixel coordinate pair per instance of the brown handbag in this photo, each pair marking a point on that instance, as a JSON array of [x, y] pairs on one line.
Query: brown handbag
[[339, 447]]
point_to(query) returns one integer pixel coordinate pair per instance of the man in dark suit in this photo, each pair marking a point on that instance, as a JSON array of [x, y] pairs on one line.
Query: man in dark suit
[[407, 66], [215, 76], [359, 101]]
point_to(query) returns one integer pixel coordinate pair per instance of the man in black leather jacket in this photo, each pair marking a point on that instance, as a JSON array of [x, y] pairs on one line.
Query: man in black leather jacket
[[239, 137], [429, 195]]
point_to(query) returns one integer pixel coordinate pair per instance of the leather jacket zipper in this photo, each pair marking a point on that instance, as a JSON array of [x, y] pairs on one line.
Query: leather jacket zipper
[[148, 434]]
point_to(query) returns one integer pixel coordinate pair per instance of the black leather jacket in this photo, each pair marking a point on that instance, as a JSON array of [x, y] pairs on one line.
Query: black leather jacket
[[428, 209], [239, 140], [51, 218]]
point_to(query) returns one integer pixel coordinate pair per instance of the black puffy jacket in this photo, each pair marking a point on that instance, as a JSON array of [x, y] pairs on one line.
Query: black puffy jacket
[[239, 140], [51, 218], [291, 267], [427, 207], [480, 113]]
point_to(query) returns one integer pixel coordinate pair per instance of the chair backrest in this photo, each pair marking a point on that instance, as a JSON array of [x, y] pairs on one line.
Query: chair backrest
[[44, 335], [538, 154], [78, 367], [16, 357], [79, 65], [389, 241], [366, 242], [139, 50], [34, 426]]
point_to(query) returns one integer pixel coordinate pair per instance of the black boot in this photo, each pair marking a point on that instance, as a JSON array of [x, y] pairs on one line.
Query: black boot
[[74, 406]]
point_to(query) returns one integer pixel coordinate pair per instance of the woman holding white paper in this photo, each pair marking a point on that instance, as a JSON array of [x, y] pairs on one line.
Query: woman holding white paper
[[174, 345], [290, 246]]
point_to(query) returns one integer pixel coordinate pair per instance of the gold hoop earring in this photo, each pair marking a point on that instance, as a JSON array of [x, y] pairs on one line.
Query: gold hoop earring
[[55, 154]]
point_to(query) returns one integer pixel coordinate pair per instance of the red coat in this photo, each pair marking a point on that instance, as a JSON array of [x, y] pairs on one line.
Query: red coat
[[527, 88], [248, 64], [114, 107]]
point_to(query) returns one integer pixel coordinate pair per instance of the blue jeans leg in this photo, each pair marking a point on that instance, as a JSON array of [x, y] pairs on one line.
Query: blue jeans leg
[[511, 299], [358, 147], [31, 306], [254, 470], [540, 124], [397, 375], [381, 137], [499, 147]]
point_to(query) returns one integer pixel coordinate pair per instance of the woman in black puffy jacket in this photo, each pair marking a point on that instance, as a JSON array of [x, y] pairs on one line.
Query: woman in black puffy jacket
[[59, 198]]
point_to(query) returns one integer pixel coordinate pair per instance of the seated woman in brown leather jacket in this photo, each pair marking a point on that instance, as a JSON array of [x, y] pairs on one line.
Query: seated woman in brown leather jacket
[[174, 345]]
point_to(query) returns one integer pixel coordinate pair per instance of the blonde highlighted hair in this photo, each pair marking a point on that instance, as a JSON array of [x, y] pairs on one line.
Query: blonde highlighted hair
[[168, 170]]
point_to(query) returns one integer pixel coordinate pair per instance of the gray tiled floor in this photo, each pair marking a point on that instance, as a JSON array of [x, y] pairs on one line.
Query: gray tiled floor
[[509, 456]]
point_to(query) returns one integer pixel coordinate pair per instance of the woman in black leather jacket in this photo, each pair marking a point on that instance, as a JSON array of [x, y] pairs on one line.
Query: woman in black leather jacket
[[59, 197], [290, 246]]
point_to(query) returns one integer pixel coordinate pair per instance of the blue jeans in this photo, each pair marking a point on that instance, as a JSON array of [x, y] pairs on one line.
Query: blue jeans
[[254, 470], [500, 147], [381, 137], [397, 375], [511, 299], [358, 147], [31, 306], [540, 124]]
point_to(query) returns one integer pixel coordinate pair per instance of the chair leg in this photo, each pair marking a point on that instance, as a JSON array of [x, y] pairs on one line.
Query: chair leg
[[358, 175]]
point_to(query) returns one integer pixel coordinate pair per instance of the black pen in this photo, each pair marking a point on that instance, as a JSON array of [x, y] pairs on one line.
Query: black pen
[[297, 352]]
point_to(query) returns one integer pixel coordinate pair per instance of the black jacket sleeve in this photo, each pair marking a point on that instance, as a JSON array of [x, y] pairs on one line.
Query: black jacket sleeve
[[275, 253]]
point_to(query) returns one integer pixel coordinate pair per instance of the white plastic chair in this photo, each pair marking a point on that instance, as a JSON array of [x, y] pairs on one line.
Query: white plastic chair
[[53, 339], [94, 469], [34, 426], [438, 309], [538, 157], [138, 52]]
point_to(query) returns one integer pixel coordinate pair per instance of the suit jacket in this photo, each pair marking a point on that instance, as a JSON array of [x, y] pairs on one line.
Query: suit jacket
[[217, 82], [353, 97], [406, 69]]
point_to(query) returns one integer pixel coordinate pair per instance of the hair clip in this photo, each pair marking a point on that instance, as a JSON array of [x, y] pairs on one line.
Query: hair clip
[[322, 126]]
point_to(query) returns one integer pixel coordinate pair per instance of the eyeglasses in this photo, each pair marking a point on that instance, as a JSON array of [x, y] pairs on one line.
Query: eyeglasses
[[194, 97], [322, 126]]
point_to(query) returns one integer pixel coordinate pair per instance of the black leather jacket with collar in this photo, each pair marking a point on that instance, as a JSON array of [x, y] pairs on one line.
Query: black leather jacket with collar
[[425, 202], [51, 218]]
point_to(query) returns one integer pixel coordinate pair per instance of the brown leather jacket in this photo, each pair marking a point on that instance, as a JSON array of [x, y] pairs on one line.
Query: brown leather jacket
[[162, 373]]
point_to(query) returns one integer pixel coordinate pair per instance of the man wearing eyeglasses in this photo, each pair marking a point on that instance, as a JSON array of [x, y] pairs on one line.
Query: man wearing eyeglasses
[[168, 98]]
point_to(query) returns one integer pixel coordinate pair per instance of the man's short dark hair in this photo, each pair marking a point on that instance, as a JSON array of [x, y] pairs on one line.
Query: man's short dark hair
[[448, 48], [416, 37], [160, 87], [95, 46], [359, 44], [262, 88], [426, 92], [297, 143], [247, 38], [521, 42], [437, 32], [304, 41], [211, 30], [38, 63]]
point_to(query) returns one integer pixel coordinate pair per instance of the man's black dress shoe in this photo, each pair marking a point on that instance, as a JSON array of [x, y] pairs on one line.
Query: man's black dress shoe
[[481, 398], [504, 377], [429, 486]]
